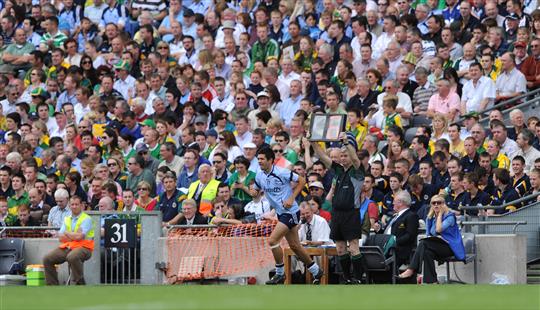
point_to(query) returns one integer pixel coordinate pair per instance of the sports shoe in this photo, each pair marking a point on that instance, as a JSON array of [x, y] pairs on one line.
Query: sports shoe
[[276, 279], [318, 276], [351, 281]]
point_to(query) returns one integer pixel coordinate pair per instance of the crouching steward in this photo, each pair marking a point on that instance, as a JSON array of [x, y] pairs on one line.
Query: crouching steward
[[76, 238]]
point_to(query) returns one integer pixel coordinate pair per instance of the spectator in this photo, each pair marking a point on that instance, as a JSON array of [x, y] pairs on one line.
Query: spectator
[[524, 142], [77, 244], [479, 92], [440, 221]]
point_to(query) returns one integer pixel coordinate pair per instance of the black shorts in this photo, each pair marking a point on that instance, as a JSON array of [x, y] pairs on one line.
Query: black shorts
[[290, 220], [345, 225]]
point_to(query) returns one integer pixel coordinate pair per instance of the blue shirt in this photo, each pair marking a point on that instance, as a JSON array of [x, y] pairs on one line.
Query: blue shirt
[[288, 108], [277, 187]]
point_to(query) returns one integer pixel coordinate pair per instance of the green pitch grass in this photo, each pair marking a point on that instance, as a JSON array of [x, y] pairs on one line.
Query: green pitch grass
[[454, 297]]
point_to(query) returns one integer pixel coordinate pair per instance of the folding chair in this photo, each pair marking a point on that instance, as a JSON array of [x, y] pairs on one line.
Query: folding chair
[[379, 255], [11, 256], [469, 242]]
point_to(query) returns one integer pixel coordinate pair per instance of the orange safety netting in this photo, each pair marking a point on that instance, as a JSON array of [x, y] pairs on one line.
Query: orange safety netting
[[205, 253], [28, 233]]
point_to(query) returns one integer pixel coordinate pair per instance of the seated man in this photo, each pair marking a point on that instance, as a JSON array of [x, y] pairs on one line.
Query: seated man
[[24, 218], [76, 238], [403, 225], [189, 215]]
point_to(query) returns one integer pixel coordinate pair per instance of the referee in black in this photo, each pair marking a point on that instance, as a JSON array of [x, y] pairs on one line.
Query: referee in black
[[345, 227]]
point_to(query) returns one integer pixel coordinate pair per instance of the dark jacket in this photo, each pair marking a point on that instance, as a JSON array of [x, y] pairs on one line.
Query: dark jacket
[[198, 220], [405, 228]]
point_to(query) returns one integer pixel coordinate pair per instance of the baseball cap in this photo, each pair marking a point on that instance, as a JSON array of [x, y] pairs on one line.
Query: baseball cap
[[520, 44], [122, 65], [188, 13], [263, 94], [316, 184], [228, 24], [39, 92], [201, 119], [250, 145], [512, 16], [148, 122], [472, 115], [142, 147], [211, 132], [410, 58]]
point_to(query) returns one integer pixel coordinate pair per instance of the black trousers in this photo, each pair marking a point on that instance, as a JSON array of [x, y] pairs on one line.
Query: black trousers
[[428, 251]]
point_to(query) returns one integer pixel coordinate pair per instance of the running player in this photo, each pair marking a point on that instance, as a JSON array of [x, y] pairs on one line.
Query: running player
[[276, 184]]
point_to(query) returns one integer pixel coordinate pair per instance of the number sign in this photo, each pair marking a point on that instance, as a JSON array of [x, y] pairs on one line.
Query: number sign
[[120, 233]]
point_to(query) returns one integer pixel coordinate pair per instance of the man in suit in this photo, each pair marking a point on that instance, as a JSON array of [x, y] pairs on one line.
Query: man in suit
[[191, 215], [403, 225]]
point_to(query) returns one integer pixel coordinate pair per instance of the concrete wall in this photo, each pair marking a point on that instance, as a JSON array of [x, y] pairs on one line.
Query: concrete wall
[[36, 249], [502, 254]]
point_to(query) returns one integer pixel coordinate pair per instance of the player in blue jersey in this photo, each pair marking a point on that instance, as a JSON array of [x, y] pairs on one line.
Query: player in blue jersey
[[275, 182]]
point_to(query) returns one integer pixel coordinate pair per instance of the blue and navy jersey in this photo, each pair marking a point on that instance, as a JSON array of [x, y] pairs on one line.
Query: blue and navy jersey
[[468, 164], [388, 204], [522, 185], [481, 198], [277, 187], [502, 197], [453, 200]]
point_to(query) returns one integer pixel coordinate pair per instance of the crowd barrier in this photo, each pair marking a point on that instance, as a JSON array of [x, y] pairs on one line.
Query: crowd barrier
[[180, 253], [207, 252]]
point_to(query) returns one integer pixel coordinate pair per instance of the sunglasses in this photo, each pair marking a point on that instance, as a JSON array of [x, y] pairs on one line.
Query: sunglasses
[[142, 189], [163, 47], [437, 203], [112, 164], [216, 162], [278, 151]]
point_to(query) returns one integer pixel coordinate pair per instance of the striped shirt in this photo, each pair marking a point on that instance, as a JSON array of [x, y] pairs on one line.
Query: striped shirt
[[58, 38], [421, 96]]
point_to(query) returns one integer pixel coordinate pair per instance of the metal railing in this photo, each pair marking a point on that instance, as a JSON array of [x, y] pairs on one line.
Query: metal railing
[[478, 223], [509, 101], [28, 232], [503, 206], [523, 221]]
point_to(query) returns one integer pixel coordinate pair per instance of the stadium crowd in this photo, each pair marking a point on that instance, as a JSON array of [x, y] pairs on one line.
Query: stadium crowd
[[142, 105]]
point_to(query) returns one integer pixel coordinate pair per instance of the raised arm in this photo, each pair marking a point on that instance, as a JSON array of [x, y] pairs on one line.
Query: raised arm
[[321, 154]]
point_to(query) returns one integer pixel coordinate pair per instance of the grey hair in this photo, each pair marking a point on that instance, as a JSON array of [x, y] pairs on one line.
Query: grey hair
[[61, 193], [327, 48], [404, 197], [363, 81], [515, 112], [14, 156], [212, 169], [421, 71]]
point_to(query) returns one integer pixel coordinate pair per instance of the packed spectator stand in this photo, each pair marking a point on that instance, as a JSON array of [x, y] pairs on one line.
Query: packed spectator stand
[[142, 105]]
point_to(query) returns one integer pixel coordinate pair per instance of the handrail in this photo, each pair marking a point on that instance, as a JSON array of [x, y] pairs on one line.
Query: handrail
[[508, 101], [29, 228], [197, 226], [490, 207], [516, 224]]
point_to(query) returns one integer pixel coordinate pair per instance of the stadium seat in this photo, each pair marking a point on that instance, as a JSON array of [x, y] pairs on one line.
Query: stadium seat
[[410, 133], [11, 256], [469, 241], [379, 255], [419, 120]]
